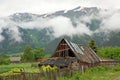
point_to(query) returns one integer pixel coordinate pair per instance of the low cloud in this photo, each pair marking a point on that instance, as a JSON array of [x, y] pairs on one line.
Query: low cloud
[[12, 30], [14, 33], [61, 25], [110, 21]]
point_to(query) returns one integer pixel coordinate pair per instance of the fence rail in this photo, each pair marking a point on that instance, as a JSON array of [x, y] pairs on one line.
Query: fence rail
[[11, 77]]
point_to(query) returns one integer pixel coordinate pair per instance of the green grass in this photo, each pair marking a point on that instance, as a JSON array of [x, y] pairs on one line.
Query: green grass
[[96, 73], [15, 54], [26, 66]]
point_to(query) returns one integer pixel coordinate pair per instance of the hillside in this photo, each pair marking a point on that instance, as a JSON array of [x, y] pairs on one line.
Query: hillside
[[79, 25]]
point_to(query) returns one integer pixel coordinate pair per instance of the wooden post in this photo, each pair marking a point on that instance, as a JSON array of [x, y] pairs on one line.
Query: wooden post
[[79, 65], [22, 77], [71, 69]]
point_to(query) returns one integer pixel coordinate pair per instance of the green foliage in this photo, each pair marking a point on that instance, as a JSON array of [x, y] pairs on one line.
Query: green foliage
[[76, 76], [92, 44], [4, 60], [32, 54], [96, 73], [109, 52], [15, 70], [48, 68], [47, 56], [116, 68], [11, 72], [33, 37], [7, 73], [38, 53], [26, 66], [28, 54]]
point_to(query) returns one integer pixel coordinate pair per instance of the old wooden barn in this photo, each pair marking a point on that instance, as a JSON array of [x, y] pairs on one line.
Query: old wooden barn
[[74, 56]]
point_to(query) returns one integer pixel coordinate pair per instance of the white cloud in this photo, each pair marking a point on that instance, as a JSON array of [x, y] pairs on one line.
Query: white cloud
[[12, 28], [63, 25], [2, 24], [110, 21], [14, 33], [60, 25], [106, 3], [113, 22], [8, 7]]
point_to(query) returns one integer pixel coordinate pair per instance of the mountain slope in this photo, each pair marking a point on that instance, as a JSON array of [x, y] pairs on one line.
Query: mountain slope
[[78, 25]]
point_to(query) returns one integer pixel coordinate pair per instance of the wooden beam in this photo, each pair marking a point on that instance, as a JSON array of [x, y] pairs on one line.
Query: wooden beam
[[62, 50], [63, 44]]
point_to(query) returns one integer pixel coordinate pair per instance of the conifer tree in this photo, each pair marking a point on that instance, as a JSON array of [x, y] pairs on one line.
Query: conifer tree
[[93, 45]]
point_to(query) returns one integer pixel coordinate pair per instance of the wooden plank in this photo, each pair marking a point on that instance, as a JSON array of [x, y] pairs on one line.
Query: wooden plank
[[62, 50]]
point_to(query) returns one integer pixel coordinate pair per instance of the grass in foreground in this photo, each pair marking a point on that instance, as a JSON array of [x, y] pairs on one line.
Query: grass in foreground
[[26, 66], [96, 73]]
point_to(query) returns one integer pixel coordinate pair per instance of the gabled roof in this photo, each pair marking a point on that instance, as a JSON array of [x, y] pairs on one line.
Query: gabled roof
[[74, 47], [83, 53]]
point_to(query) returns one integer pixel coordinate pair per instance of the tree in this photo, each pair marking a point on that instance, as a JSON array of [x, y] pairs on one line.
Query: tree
[[4, 59], [28, 54], [38, 53], [93, 45]]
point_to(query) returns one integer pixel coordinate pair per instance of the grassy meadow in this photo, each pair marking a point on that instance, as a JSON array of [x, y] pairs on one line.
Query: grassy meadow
[[96, 73], [25, 66]]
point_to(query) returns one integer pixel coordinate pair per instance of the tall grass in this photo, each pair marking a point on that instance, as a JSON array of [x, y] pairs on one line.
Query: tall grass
[[26, 66], [96, 73]]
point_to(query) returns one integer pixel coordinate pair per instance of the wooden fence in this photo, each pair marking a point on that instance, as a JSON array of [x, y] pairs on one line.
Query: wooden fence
[[11, 77], [48, 75]]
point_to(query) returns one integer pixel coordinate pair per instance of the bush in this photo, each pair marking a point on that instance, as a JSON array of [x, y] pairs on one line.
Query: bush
[[15, 70], [109, 52], [100, 68], [116, 68], [48, 68], [4, 60], [11, 72]]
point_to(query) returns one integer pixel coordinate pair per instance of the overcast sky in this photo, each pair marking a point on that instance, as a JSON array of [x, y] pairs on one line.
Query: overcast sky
[[8, 7]]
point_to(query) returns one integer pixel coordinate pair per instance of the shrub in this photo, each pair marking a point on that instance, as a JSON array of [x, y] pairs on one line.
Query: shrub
[[15, 70], [4, 60], [48, 68]]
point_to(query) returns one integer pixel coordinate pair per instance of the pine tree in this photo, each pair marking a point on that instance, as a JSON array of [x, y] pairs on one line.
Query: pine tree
[[93, 45]]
